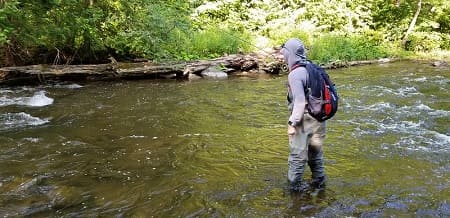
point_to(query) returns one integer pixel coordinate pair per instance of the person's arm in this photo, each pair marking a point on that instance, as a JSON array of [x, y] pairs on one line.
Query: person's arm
[[295, 80]]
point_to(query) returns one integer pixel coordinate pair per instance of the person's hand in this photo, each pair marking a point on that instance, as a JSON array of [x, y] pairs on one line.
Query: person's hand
[[291, 130]]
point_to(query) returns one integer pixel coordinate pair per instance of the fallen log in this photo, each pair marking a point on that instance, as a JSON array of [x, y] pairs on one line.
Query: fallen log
[[237, 64], [42, 73], [115, 70]]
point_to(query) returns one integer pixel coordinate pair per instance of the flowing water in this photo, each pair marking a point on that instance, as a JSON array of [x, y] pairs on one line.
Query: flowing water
[[209, 148]]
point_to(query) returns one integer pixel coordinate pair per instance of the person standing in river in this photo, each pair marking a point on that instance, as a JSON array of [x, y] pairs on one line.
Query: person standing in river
[[306, 134]]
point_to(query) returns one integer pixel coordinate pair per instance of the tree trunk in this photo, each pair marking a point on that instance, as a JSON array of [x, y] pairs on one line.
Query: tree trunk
[[116, 70], [412, 24]]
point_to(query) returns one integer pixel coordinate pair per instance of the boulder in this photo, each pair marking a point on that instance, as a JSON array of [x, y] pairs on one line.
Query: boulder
[[439, 64], [213, 73]]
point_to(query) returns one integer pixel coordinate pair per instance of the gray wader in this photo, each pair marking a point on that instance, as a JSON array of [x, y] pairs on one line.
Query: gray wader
[[306, 147]]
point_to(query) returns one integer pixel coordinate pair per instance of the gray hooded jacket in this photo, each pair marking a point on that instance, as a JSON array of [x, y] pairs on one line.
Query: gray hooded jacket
[[294, 54]]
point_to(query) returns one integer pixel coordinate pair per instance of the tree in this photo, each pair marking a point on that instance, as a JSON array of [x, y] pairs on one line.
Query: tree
[[413, 23], [73, 31]]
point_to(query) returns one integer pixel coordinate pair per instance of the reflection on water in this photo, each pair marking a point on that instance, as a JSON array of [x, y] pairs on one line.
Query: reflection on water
[[219, 148]]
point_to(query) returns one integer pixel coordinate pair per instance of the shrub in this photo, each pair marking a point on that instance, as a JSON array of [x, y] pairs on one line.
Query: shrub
[[331, 47], [423, 41], [211, 43], [343, 47], [445, 41], [283, 37]]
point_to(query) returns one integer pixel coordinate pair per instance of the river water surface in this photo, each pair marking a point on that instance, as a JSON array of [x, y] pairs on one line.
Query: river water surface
[[219, 148]]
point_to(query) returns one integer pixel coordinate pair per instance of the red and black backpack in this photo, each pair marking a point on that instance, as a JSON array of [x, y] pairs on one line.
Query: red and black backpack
[[320, 93]]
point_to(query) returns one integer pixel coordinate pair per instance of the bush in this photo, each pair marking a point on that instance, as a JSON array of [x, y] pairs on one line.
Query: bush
[[283, 37], [368, 46], [210, 43], [342, 47], [423, 41], [8, 9], [445, 41]]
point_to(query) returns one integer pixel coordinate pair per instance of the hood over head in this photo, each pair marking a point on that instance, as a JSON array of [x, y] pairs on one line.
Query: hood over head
[[294, 53]]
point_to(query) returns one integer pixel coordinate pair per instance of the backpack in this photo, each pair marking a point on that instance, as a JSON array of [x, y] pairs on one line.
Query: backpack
[[320, 93]]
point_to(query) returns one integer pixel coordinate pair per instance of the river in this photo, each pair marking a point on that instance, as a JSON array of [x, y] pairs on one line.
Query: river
[[207, 148]]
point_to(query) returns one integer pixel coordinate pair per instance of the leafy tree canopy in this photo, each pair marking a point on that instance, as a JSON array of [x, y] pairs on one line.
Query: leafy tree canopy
[[74, 31]]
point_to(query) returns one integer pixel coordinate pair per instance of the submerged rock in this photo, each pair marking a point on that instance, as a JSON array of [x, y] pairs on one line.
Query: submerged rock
[[384, 60], [64, 196], [439, 64], [194, 76], [214, 73]]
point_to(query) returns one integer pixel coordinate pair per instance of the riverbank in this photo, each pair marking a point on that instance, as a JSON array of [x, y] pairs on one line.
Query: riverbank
[[266, 62]]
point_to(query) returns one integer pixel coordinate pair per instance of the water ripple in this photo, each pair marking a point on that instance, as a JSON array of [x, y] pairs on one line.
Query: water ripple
[[19, 120], [39, 99]]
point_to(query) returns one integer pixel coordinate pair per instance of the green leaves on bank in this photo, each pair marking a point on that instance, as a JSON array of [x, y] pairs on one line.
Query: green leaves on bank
[[90, 31]]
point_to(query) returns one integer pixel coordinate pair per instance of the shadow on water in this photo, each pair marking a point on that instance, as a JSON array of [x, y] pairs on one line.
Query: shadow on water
[[218, 148]]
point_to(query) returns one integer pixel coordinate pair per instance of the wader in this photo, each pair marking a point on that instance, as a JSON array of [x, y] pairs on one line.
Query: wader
[[306, 147]]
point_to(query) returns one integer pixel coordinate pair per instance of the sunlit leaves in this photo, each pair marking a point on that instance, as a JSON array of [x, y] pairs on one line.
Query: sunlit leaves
[[8, 12], [91, 30]]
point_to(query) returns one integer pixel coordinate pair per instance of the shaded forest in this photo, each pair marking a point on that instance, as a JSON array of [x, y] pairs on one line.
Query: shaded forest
[[95, 31]]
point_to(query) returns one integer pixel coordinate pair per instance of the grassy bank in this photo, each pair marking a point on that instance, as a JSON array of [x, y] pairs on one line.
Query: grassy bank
[[323, 48]]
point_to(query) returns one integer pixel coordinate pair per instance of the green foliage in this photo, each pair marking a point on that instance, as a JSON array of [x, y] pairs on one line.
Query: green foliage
[[152, 26], [424, 41], [336, 47], [265, 17], [74, 31], [8, 10], [329, 48], [88, 31], [282, 37], [211, 43], [394, 19], [55, 31], [444, 20], [337, 15], [445, 41]]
